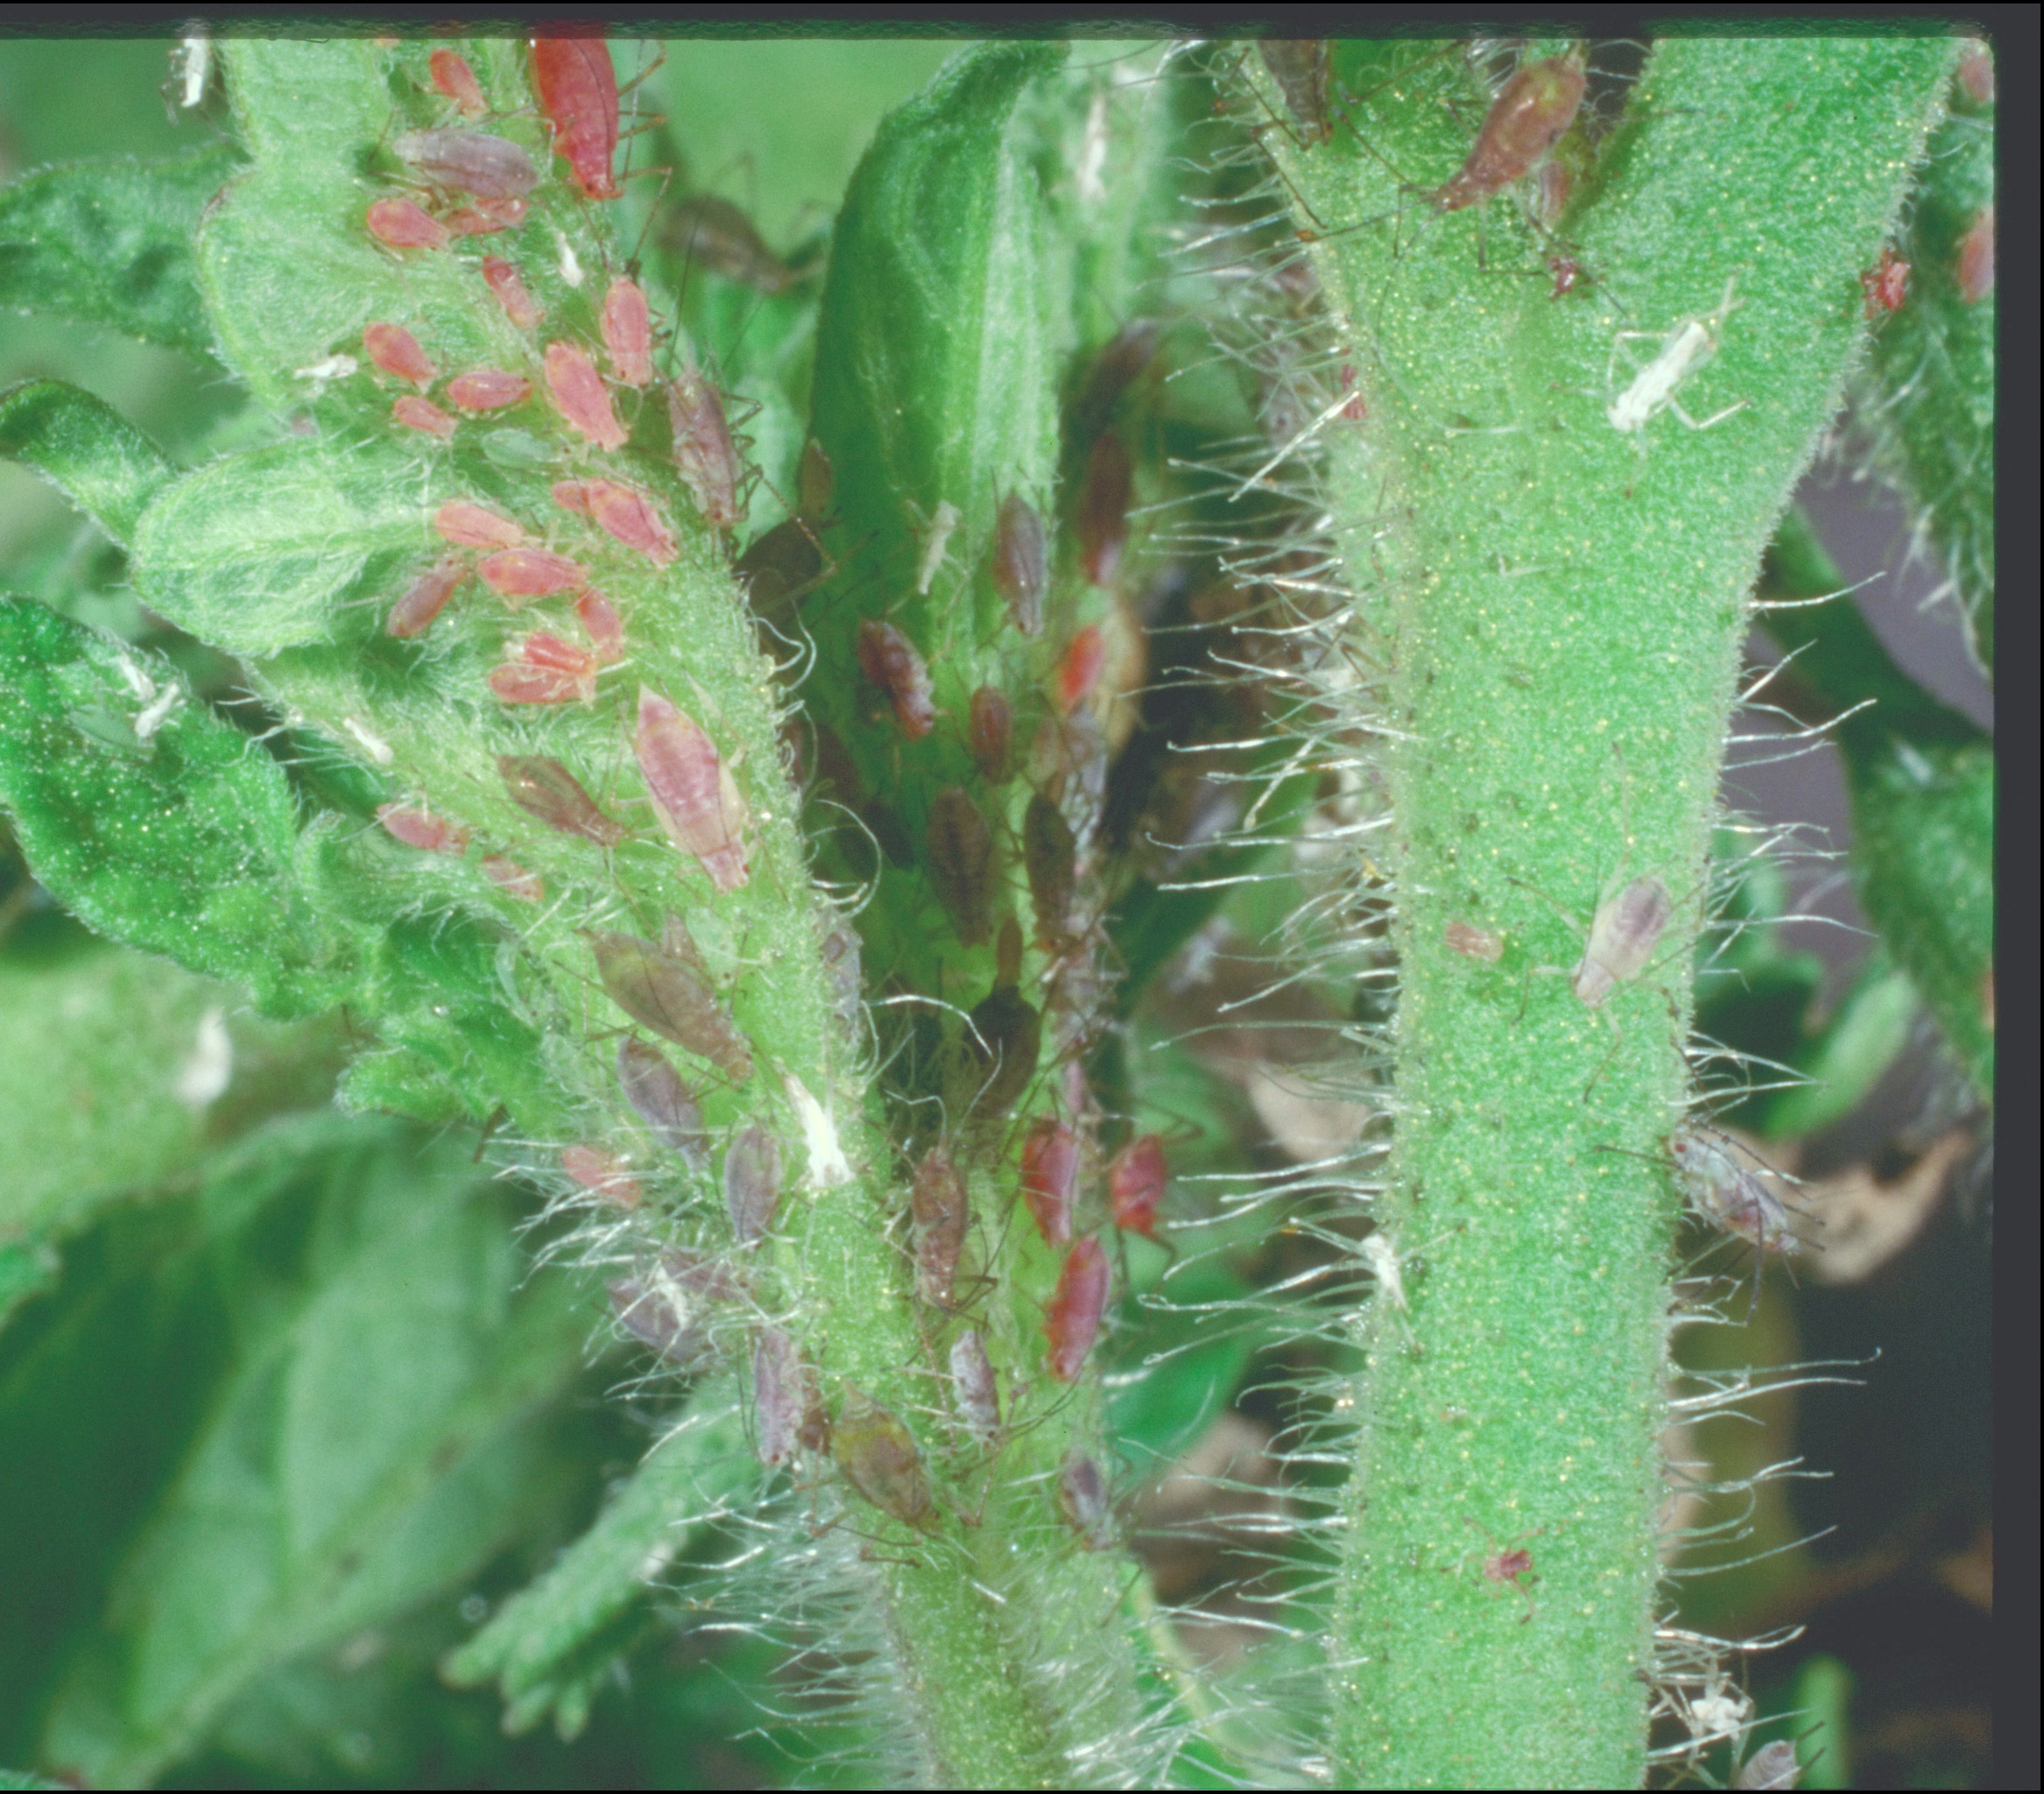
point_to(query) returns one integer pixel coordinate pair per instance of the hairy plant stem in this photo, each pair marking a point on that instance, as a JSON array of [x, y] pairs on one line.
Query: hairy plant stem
[[1554, 608]]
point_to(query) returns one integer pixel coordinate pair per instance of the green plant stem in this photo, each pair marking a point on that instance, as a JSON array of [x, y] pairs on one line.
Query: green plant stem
[[1557, 610]]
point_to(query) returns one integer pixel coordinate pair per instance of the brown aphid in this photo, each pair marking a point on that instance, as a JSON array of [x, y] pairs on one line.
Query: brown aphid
[[1082, 1500], [752, 1181], [778, 1396], [703, 452], [1473, 943], [990, 735], [1050, 855], [468, 161], [660, 1100], [713, 232], [878, 1457], [974, 1390], [1021, 563], [840, 953], [939, 1212], [1104, 493], [1112, 372], [889, 660], [1529, 117], [1622, 939], [780, 567], [1300, 68], [961, 849], [1003, 1043], [651, 1316], [660, 990], [545, 789], [426, 596]]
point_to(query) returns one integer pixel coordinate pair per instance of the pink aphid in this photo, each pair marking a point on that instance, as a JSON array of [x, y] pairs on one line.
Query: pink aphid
[[417, 414], [396, 350], [1050, 1175], [1071, 1323], [572, 495], [1886, 285], [889, 659], [1135, 1183], [752, 1178], [1977, 258], [602, 625], [470, 526], [628, 333], [510, 292], [486, 217], [413, 613], [629, 516], [531, 573], [473, 162], [422, 829], [604, 1173], [577, 92], [692, 790], [401, 224], [487, 389], [778, 1396], [453, 77], [1079, 672], [547, 671], [704, 454], [513, 879], [580, 396]]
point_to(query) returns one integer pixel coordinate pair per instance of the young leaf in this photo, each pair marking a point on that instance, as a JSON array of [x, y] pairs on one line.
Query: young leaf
[[111, 243], [80, 444]]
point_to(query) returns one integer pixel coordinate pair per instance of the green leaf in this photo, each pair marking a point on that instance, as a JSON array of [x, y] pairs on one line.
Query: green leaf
[[290, 1408], [111, 243], [80, 444], [257, 553], [180, 840], [543, 1647], [1844, 1062]]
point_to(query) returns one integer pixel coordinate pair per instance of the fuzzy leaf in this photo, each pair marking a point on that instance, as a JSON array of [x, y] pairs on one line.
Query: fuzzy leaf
[[182, 844], [256, 553], [111, 243], [538, 1647], [82, 445], [286, 1409]]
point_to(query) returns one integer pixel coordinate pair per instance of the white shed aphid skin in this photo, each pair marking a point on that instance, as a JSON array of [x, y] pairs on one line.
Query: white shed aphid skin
[[1383, 1259], [150, 717], [1682, 351], [571, 266], [943, 520], [373, 745], [322, 373]]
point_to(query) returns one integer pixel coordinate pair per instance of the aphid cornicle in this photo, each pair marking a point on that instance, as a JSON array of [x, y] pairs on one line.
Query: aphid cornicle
[[1021, 562], [1071, 1322], [660, 1100], [692, 790], [468, 161], [889, 660], [974, 1390], [1623, 935], [878, 1457], [961, 849], [939, 1214], [1529, 115], [662, 990], [752, 1181], [1050, 1176], [577, 86], [1050, 857], [545, 789]]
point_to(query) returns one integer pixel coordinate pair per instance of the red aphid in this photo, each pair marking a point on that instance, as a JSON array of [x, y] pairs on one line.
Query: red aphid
[[704, 453], [470, 526], [510, 291], [889, 660], [513, 879], [485, 216], [400, 224], [1080, 669], [422, 830], [580, 396], [629, 516], [531, 573], [417, 414], [577, 92], [628, 333], [1886, 285], [413, 613], [1135, 1182], [1103, 509], [453, 77], [1050, 1176], [1977, 258], [605, 629], [487, 389], [1071, 1323], [604, 1173], [396, 350], [1529, 118], [692, 790]]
